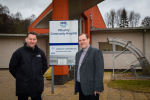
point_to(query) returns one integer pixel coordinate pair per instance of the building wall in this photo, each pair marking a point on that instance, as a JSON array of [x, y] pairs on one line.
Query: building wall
[[147, 45], [10, 44], [124, 59]]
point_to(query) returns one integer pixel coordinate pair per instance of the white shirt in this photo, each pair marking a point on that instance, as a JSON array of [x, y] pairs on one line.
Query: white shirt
[[80, 62]]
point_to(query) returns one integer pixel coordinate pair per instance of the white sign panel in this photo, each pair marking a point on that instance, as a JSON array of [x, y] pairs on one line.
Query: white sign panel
[[63, 42]]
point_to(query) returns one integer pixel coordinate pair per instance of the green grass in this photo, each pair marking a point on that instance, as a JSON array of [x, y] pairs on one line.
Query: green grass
[[129, 72], [138, 72], [131, 85]]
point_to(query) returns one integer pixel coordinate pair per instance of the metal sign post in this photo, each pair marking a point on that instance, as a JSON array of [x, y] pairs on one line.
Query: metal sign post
[[52, 79], [74, 81], [113, 61]]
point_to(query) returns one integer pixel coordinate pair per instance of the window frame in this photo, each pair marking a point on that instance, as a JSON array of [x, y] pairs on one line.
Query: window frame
[[112, 48]]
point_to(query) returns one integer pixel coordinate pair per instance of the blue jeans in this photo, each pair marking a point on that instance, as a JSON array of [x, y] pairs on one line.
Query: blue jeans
[[26, 98]]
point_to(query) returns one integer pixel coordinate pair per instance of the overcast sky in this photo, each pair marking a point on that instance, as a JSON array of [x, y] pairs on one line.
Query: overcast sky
[[29, 7], [26, 7], [138, 6]]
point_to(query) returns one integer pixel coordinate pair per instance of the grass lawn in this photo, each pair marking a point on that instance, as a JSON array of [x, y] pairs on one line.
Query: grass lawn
[[131, 85]]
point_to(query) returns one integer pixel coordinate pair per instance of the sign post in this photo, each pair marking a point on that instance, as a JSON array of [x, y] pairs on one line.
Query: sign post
[[52, 80], [63, 43]]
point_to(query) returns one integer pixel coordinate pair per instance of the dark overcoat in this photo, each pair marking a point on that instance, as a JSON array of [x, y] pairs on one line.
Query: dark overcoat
[[28, 65], [91, 71]]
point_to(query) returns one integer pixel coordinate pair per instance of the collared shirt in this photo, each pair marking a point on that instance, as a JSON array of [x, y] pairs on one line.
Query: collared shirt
[[80, 62]]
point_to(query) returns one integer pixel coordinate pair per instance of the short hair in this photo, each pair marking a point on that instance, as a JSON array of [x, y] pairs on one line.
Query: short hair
[[32, 32], [85, 35]]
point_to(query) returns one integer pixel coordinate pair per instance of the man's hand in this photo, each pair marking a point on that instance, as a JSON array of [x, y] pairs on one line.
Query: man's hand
[[96, 92]]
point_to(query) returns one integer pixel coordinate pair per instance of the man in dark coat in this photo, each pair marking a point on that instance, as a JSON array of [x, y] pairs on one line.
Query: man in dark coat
[[27, 65], [89, 70]]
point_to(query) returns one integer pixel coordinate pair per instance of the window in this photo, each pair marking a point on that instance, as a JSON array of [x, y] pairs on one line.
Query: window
[[105, 46], [119, 48]]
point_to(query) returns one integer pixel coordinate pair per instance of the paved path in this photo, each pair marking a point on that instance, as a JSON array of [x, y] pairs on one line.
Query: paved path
[[66, 91]]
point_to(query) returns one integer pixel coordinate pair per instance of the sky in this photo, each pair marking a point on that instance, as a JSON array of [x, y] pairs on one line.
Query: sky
[[29, 7], [138, 6], [26, 7]]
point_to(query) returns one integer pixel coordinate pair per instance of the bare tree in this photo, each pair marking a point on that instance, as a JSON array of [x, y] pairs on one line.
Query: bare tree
[[13, 23], [134, 19], [32, 18], [121, 18], [4, 9], [137, 18], [107, 20], [131, 18], [4, 18], [18, 16], [118, 17], [146, 22], [110, 19]]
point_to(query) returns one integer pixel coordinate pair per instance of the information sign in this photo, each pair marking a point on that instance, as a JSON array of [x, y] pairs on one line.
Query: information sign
[[63, 42]]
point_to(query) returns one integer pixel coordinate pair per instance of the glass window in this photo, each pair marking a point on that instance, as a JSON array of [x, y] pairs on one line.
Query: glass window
[[105, 46], [119, 48]]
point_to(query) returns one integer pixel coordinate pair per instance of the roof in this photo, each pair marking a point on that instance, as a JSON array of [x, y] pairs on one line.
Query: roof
[[22, 35], [76, 8], [144, 29]]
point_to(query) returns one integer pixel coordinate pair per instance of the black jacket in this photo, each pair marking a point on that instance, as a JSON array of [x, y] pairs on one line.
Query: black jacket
[[28, 66]]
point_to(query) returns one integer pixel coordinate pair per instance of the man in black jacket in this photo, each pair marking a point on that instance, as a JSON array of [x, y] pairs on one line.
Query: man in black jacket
[[27, 65]]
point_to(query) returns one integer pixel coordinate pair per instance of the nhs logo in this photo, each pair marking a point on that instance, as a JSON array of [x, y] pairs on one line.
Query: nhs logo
[[63, 24], [52, 50]]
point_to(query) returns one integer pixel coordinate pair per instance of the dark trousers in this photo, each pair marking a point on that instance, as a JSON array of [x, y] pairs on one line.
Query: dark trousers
[[88, 97], [26, 98]]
